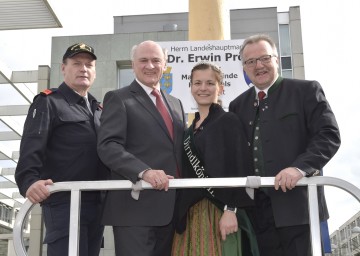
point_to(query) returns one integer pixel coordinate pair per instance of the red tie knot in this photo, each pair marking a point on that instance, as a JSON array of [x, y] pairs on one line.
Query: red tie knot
[[156, 93], [261, 95]]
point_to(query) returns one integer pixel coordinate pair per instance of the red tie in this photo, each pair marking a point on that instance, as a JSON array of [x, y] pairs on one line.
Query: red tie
[[164, 112], [261, 95]]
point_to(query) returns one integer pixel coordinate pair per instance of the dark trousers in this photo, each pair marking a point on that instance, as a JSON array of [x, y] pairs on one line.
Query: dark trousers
[[57, 219], [273, 241], [144, 241]]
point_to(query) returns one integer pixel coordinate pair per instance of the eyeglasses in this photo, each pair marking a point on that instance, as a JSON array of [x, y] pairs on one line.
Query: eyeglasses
[[263, 59]]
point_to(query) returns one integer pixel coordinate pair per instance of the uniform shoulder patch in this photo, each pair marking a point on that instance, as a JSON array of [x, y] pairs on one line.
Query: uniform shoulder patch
[[47, 92]]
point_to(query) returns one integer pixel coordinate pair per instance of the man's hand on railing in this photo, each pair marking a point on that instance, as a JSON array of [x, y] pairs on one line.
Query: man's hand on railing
[[38, 191], [158, 179], [287, 178]]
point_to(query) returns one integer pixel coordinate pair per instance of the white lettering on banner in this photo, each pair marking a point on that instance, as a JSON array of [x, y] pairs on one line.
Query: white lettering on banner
[[195, 163], [183, 55]]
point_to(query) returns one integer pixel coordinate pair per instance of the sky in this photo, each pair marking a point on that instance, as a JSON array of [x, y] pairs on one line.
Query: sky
[[331, 55]]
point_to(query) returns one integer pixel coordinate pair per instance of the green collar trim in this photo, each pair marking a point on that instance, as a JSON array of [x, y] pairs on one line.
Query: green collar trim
[[275, 85]]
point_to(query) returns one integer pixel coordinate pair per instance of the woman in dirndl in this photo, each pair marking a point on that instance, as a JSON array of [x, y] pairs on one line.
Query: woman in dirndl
[[212, 221]]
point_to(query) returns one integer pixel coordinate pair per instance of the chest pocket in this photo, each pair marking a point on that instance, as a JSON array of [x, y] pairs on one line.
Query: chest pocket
[[75, 127], [289, 122], [74, 116]]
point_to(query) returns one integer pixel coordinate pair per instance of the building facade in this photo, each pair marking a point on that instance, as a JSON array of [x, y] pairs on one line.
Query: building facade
[[113, 50], [346, 240]]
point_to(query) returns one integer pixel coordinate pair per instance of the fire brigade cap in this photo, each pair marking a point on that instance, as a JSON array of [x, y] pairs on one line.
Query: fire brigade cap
[[78, 48]]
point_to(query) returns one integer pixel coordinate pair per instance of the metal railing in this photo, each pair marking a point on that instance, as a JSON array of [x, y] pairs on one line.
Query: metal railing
[[77, 187]]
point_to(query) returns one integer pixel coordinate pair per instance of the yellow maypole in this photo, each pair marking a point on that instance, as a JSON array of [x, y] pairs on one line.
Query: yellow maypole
[[208, 20]]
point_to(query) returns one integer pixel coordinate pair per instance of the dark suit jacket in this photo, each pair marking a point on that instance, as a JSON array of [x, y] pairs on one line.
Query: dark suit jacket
[[298, 129], [132, 138]]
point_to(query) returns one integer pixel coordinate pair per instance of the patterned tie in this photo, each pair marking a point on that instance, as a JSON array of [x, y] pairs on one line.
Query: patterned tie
[[261, 95], [86, 104], [164, 112]]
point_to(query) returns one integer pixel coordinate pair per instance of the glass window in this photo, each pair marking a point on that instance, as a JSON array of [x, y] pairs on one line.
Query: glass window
[[287, 73], [285, 51], [5, 213], [125, 74], [352, 224], [342, 234], [285, 46], [286, 63]]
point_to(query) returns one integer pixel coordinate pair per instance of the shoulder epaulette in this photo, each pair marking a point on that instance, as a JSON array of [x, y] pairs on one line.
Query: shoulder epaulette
[[47, 92]]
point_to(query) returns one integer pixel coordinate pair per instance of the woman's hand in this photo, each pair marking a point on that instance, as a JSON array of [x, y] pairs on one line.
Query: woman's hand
[[228, 224]]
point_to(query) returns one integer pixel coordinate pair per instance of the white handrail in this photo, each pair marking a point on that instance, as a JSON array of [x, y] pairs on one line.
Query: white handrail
[[77, 187]]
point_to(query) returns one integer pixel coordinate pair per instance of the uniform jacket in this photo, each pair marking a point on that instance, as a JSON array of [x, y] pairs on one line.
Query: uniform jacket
[[298, 129], [59, 142], [133, 137]]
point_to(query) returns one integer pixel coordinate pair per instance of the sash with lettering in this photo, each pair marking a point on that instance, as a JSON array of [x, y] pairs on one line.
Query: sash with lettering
[[192, 159]]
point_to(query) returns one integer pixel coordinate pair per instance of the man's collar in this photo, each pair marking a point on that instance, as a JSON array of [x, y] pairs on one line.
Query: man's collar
[[72, 96], [271, 88], [148, 89]]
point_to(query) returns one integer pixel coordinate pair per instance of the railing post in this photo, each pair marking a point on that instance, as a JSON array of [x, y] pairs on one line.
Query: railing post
[[74, 226], [18, 238], [314, 220]]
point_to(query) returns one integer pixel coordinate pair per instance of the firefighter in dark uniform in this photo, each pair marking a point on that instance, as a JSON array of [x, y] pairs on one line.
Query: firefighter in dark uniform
[[59, 144]]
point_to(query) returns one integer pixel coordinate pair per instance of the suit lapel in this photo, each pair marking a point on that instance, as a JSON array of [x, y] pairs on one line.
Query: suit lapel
[[169, 103]]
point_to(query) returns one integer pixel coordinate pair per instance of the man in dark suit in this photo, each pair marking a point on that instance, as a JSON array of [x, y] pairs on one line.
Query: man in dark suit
[[136, 142], [292, 133]]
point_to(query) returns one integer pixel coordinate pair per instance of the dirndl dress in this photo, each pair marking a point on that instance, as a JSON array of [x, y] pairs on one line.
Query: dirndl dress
[[202, 235]]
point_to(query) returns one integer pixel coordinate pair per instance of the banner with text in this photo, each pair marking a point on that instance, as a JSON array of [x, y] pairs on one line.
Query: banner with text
[[183, 55]]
